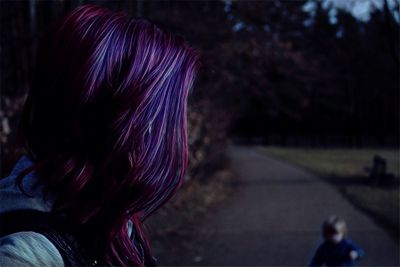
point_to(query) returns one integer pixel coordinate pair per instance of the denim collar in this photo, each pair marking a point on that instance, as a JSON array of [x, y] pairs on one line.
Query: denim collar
[[23, 163], [12, 198]]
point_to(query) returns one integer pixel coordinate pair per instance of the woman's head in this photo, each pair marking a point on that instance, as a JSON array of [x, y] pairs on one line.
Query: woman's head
[[105, 121], [334, 229]]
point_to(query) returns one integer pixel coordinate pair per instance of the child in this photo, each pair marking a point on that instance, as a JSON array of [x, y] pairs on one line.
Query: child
[[336, 250]]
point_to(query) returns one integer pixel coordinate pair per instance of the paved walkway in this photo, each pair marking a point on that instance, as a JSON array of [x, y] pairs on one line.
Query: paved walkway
[[274, 219]]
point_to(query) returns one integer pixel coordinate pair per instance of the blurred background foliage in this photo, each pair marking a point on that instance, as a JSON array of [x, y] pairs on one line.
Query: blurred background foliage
[[291, 73]]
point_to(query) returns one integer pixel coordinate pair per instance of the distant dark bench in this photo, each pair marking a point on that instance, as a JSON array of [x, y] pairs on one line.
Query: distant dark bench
[[378, 173]]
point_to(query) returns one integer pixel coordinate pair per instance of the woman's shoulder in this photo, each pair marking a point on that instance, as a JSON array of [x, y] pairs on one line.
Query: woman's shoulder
[[28, 248]]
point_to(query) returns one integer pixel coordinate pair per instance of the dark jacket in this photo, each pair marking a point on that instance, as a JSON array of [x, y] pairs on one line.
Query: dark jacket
[[330, 254]]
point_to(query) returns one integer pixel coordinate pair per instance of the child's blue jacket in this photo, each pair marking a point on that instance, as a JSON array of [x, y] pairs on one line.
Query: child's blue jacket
[[330, 254]]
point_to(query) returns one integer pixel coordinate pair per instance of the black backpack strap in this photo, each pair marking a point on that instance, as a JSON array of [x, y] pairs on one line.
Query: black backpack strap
[[72, 253], [41, 222]]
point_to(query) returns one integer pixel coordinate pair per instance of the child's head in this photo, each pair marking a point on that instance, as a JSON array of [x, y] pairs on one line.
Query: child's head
[[334, 229]]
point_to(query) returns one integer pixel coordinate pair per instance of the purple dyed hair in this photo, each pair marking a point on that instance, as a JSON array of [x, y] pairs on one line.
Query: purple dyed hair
[[105, 123]]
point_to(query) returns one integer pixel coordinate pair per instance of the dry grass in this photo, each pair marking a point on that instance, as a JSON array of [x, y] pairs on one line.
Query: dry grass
[[337, 162]]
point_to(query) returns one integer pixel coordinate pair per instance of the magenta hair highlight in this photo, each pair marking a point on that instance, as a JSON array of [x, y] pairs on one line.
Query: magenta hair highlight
[[105, 122]]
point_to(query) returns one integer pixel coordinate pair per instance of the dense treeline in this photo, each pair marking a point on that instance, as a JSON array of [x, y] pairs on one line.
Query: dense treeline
[[269, 74]]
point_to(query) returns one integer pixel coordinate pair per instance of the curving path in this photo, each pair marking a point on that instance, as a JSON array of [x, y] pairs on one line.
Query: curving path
[[274, 219]]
